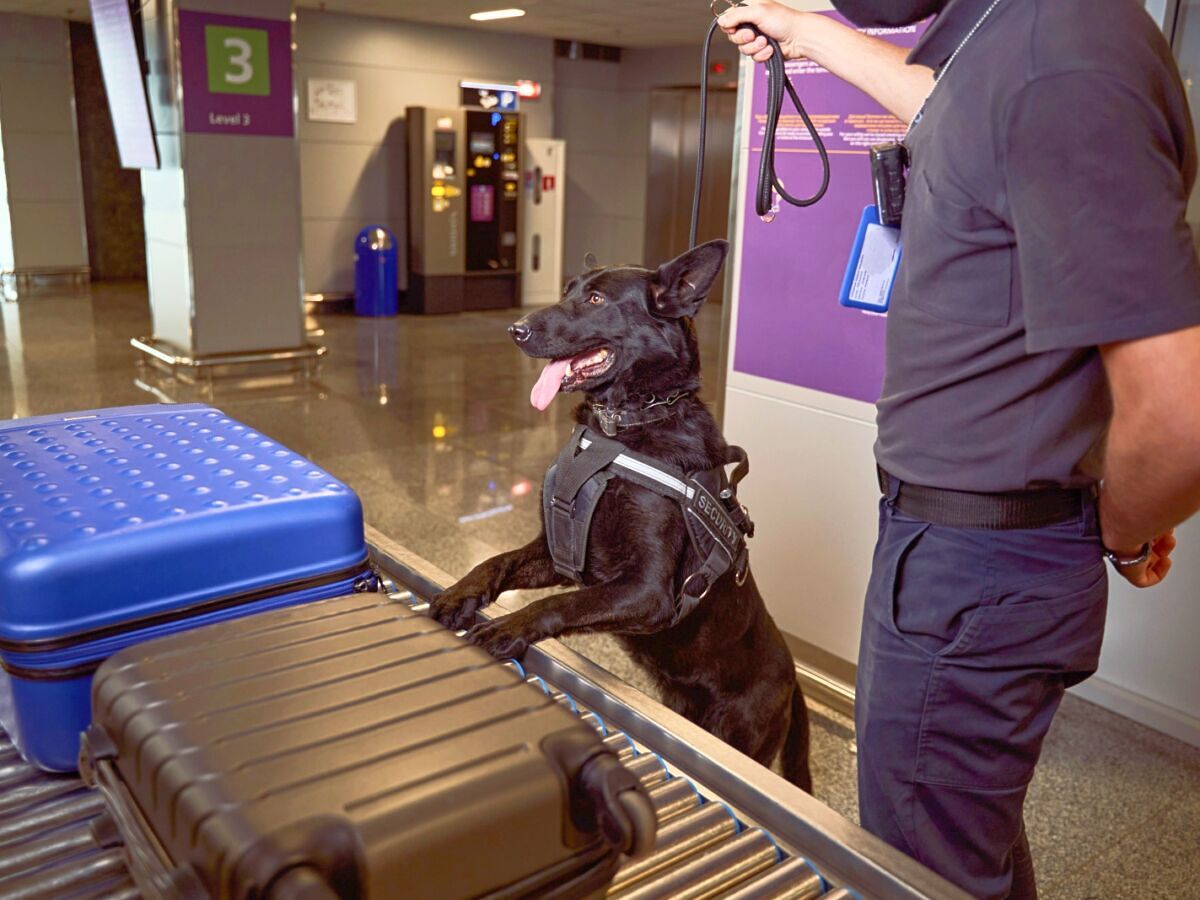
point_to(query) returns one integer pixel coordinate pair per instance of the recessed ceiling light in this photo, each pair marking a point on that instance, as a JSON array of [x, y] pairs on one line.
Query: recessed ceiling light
[[497, 14]]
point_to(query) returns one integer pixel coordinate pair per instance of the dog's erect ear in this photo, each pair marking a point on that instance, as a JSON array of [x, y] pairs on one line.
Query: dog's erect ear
[[681, 285], [590, 262]]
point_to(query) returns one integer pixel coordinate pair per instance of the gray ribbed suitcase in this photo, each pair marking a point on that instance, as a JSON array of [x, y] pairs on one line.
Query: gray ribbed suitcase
[[351, 748]]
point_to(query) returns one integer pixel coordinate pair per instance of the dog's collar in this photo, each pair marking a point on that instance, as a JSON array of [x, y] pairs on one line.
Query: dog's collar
[[613, 418]]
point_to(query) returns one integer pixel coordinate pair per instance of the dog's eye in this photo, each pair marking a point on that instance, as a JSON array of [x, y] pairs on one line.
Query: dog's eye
[[595, 299]]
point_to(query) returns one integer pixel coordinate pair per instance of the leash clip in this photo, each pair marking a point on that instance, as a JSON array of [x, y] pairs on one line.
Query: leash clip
[[769, 216], [608, 420], [729, 4]]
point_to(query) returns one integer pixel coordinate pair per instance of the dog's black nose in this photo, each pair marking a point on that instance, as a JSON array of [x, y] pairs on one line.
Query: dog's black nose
[[520, 332]]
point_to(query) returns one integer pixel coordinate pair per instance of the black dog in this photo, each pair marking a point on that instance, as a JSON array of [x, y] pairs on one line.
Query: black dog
[[625, 337]]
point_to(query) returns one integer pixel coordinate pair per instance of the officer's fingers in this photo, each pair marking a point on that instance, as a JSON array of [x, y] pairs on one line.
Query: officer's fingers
[[738, 15], [1138, 575], [1166, 544], [763, 55], [756, 46], [743, 36], [1160, 568]]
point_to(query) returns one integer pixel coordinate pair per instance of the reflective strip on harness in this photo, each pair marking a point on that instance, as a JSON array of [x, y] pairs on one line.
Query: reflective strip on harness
[[647, 471]]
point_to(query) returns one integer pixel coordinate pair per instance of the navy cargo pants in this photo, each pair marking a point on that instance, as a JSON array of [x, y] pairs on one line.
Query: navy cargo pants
[[969, 639]]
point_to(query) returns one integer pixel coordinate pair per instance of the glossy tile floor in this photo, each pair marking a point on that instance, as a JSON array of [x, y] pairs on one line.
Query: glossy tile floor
[[429, 420]]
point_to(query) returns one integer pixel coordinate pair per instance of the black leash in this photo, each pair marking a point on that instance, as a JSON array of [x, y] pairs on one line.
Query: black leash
[[768, 180]]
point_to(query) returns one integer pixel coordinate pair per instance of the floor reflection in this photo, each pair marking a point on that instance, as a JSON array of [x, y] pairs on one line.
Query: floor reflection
[[428, 419]]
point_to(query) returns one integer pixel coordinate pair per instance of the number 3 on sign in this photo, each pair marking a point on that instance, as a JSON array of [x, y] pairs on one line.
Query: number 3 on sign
[[238, 61]]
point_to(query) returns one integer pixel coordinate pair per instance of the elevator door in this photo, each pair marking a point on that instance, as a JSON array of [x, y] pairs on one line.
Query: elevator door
[[674, 113]]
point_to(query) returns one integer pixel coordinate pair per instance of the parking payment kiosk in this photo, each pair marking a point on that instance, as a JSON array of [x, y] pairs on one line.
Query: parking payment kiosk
[[464, 183], [494, 200]]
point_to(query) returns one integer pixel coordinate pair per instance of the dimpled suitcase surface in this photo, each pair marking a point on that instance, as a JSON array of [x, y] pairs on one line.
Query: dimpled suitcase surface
[[356, 746], [120, 525]]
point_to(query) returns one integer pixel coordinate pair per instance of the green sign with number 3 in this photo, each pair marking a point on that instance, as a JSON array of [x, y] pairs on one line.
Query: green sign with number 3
[[238, 62]]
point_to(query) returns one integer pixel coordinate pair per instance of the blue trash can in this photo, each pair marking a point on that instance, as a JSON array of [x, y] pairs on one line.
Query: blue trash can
[[375, 273]]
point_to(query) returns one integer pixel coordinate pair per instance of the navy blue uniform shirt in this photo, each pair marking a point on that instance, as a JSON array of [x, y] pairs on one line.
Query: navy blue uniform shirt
[[1045, 216]]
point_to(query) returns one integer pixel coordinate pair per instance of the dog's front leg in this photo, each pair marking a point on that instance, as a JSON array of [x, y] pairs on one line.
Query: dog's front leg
[[630, 605], [523, 569]]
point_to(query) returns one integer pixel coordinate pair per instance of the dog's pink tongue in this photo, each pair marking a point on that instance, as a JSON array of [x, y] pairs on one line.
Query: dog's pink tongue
[[548, 383]]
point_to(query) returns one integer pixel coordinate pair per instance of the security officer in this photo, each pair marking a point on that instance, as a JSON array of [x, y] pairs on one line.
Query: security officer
[[1039, 406]]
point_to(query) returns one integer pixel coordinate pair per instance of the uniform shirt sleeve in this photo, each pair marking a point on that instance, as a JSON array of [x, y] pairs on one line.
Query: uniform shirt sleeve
[[1098, 178]]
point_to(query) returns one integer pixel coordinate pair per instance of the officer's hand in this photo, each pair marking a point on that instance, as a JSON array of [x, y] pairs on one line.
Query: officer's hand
[[1156, 566], [781, 22]]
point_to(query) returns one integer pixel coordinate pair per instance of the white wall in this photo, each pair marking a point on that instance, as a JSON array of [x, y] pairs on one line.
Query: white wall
[[354, 175], [606, 162], [602, 110], [1150, 668], [40, 148]]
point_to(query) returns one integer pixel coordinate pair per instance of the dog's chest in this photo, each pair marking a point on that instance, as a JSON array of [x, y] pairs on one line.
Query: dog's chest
[[632, 529]]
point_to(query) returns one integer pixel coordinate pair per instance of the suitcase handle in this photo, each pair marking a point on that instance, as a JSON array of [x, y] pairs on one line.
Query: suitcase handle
[[322, 856], [302, 883], [623, 809]]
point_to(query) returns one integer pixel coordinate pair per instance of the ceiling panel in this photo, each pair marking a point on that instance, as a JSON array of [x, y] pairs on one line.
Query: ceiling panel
[[624, 23]]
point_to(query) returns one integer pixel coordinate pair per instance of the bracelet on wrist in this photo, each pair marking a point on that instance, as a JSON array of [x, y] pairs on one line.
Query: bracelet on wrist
[[1127, 562]]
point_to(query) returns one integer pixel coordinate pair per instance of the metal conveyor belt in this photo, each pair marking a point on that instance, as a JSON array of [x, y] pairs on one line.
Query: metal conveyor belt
[[728, 827]]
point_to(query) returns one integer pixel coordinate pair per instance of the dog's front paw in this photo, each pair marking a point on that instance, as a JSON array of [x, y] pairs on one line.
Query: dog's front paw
[[504, 638], [455, 607]]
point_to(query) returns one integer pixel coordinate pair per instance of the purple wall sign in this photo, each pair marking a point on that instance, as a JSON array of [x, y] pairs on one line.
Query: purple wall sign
[[237, 74], [790, 325]]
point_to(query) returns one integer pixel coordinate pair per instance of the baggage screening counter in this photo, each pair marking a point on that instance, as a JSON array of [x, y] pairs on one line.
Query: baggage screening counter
[[727, 826]]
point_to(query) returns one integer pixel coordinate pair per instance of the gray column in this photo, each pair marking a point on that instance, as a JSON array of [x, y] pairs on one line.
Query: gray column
[[222, 213], [42, 228]]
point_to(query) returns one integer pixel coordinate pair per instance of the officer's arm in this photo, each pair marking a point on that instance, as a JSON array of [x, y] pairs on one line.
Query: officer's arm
[[1152, 463], [871, 64]]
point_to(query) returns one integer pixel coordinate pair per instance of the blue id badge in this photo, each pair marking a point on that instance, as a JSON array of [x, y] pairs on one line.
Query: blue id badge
[[873, 264]]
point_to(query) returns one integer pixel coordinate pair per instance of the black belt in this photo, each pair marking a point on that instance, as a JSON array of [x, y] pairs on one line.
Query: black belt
[[964, 509]]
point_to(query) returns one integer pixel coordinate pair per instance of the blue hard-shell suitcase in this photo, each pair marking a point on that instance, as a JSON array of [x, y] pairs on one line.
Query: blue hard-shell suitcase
[[121, 525]]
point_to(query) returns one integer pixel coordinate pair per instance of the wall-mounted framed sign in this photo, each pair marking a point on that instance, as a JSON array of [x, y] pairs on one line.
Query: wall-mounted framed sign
[[332, 100]]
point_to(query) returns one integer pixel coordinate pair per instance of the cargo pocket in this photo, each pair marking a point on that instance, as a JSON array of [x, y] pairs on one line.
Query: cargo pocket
[[958, 258], [937, 580], [994, 692]]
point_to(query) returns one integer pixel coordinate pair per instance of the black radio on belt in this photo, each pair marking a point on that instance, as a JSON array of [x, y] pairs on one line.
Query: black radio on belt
[[889, 163]]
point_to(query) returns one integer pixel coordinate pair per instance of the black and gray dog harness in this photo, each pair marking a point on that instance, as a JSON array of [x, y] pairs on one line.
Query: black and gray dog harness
[[717, 524]]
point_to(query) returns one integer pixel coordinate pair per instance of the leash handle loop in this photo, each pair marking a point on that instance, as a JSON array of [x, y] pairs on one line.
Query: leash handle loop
[[769, 184]]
